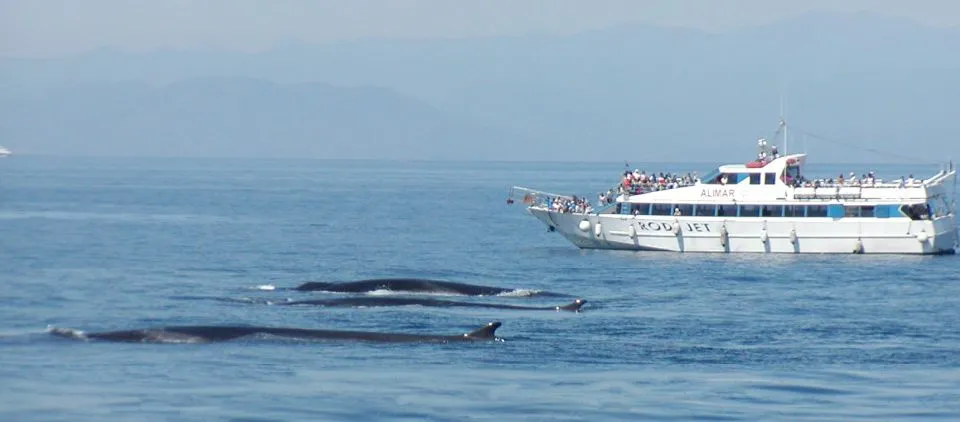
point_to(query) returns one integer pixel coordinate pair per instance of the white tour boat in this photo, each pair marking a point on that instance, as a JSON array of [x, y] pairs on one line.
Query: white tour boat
[[4, 151], [763, 206]]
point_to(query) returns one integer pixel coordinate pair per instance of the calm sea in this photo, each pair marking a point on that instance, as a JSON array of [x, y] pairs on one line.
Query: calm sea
[[100, 244]]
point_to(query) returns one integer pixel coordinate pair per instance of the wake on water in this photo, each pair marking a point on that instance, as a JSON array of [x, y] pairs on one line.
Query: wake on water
[[521, 293], [159, 337]]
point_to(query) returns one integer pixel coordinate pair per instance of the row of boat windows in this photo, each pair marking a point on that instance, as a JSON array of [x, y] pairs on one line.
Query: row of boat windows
[[761, 210], [735, 178]]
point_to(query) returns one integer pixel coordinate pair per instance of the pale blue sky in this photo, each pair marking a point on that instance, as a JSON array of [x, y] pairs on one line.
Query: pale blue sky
[[36, 28]]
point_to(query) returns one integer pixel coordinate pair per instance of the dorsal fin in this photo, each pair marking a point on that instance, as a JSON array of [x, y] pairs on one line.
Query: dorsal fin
[[574, 306], [488, 331]]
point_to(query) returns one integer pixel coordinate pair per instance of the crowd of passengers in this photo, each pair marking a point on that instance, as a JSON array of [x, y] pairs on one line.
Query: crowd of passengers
[[574, 205], [638, 182]]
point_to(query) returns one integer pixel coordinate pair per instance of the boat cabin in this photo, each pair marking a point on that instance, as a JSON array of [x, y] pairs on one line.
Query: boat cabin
[[783, 171]]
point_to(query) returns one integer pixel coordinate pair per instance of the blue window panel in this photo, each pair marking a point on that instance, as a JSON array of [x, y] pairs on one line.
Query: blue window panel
[[835, 211], [882, 211]]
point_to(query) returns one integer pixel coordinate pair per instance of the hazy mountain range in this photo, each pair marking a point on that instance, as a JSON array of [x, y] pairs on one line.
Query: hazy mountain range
[[633, 92]]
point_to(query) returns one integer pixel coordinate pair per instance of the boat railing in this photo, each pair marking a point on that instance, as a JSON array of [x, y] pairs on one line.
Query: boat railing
[[530, 196], [941, 176], [533, 198], [859, 185], [916, 189]]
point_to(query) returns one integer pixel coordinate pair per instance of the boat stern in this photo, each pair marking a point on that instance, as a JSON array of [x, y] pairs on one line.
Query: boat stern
[[946, 237]]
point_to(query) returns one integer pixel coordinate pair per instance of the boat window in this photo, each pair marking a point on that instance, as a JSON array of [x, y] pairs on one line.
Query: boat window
[[754, 178], [661, 209], [749, 210], [724, 179], [712, 178], [860, 211], [726, 210], [640, 209], [885, 211], [793, 210], [685, 209], [935, 209], [793, 171], [771, 210], [916, 211], [792, 175], [706, 210], [816, 210], [769, 178]]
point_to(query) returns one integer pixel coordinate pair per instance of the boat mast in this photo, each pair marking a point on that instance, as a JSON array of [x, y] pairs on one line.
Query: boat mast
[[783, 124]]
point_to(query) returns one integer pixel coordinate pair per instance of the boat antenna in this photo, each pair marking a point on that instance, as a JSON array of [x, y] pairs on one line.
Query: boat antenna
[[783, 125]]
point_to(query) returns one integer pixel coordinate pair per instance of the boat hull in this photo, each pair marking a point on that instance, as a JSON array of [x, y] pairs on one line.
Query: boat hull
[[754, 235]]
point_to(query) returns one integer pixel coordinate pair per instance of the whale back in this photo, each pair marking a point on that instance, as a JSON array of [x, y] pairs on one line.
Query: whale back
[[205, 334], [418, 285], [313, 286]]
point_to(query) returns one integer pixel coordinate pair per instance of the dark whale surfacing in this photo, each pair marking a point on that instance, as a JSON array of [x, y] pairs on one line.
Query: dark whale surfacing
[[414, 285], [402, 301], [207, 334]]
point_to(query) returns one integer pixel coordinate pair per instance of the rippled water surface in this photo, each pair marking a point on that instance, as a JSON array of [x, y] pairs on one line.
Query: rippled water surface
[[104, 244]]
